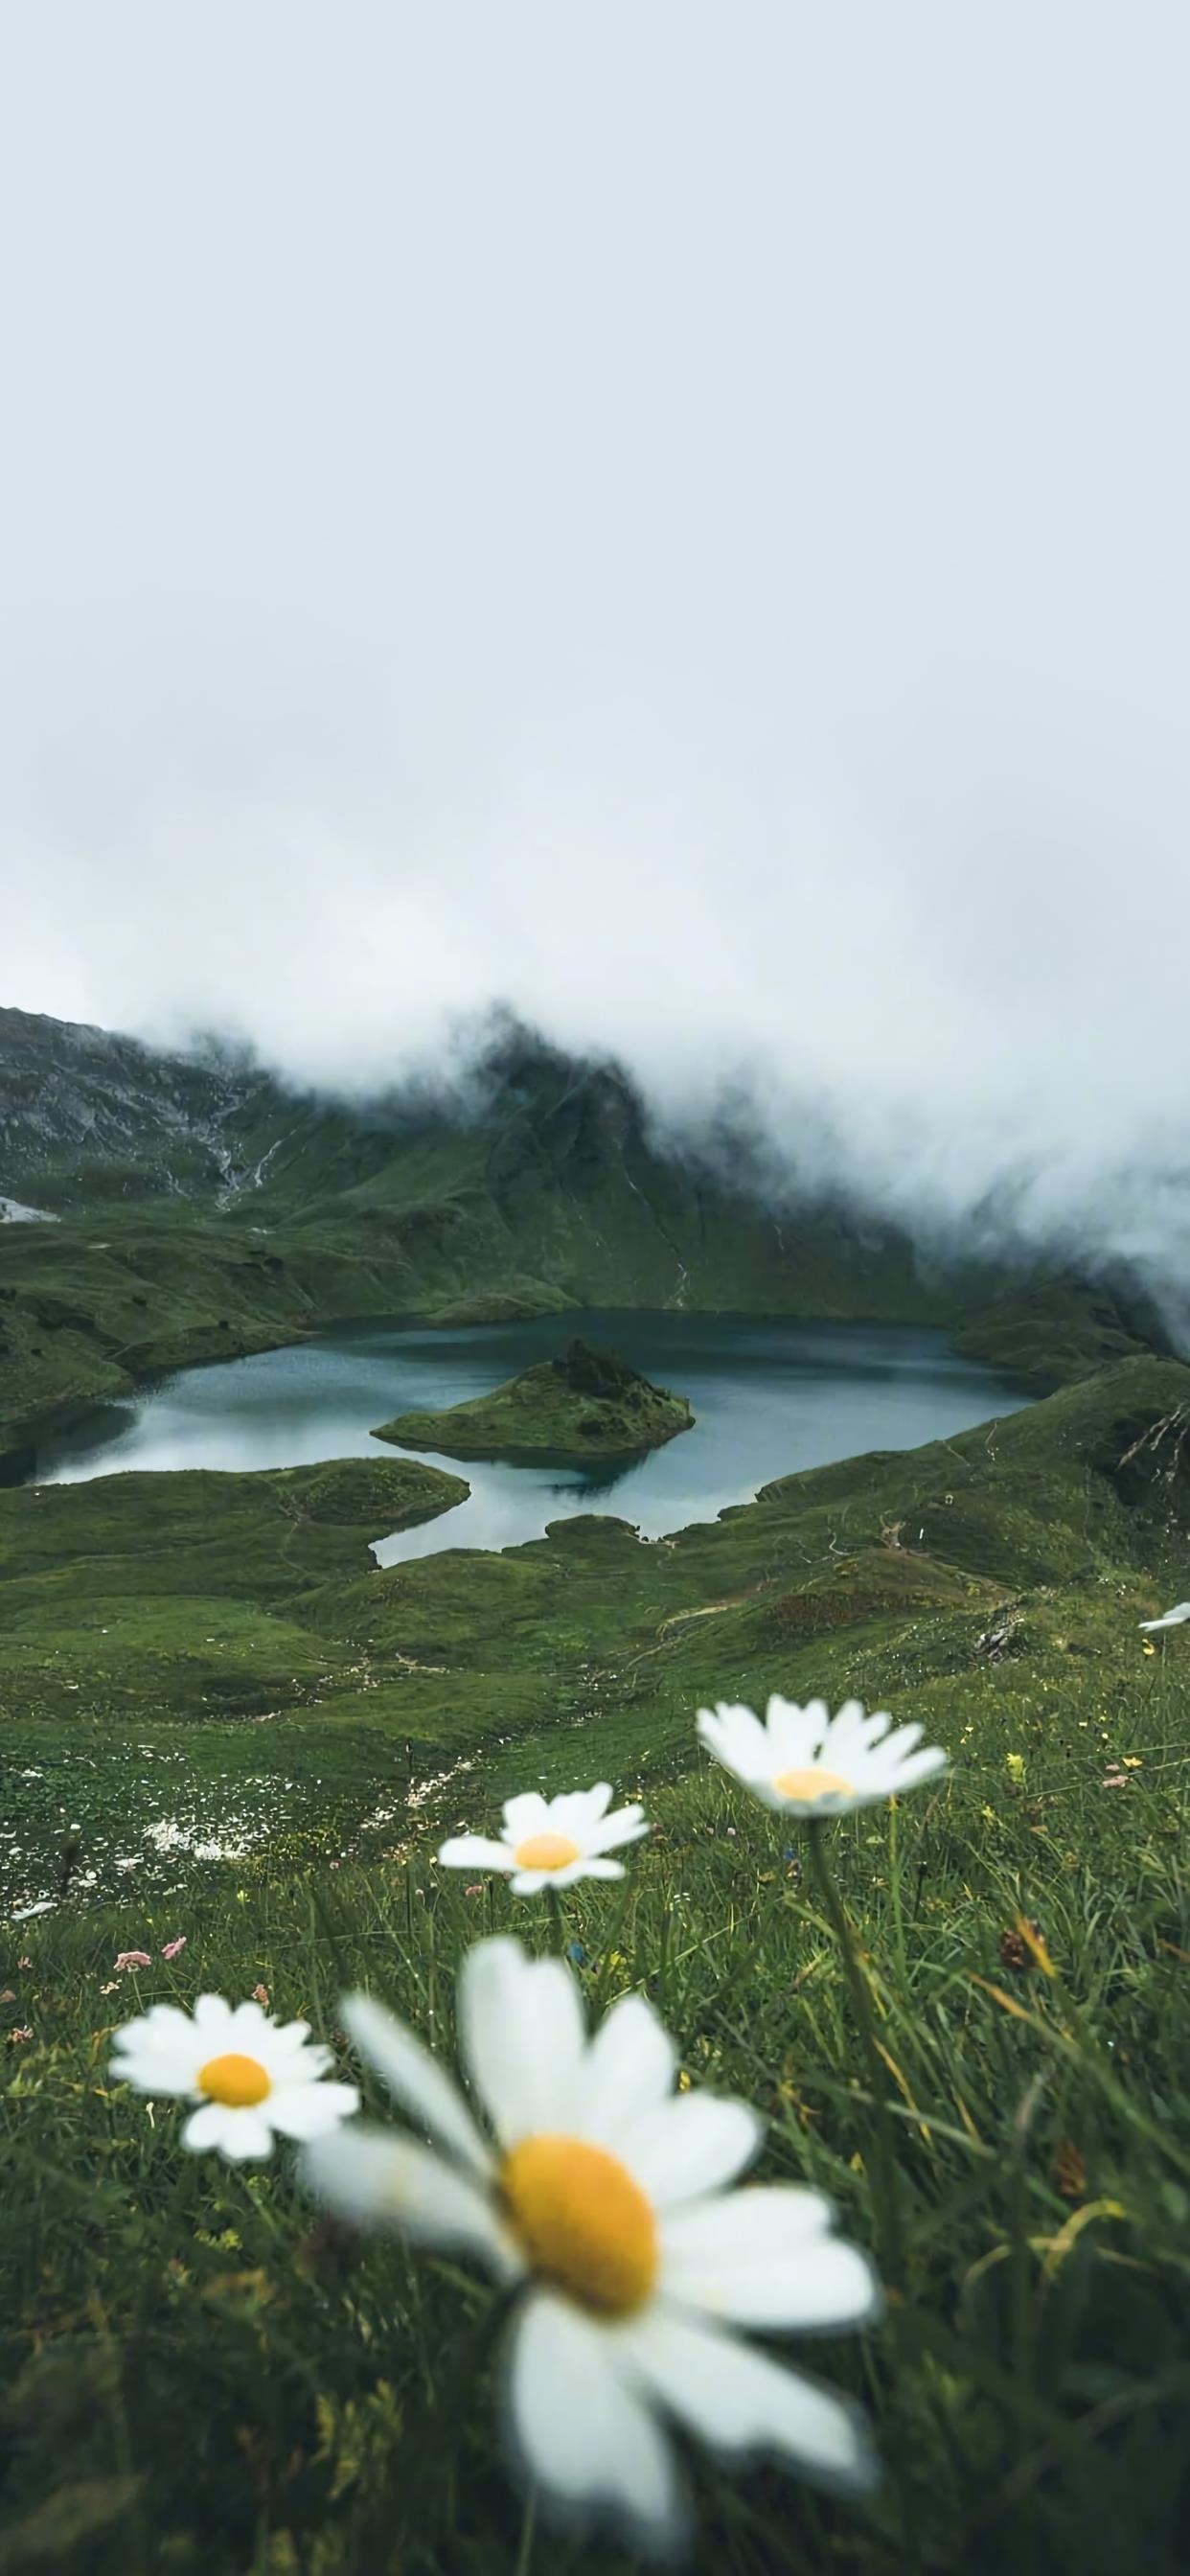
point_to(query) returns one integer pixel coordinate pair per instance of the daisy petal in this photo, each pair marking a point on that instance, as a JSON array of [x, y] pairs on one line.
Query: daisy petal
[[628, 2070], [766, 2257], [692, 2144], [735, 1736], [626, 1826], [367, 2174], [238, 2135], [529, 1882], [212, 2015], [415, 2079], [474, 1851], [896, 1746], [793, 1734], [580, 2423], [149, 2070], [521, 2034], [735, 2399], [306, 2110], [528, 1814], [204, 2128]]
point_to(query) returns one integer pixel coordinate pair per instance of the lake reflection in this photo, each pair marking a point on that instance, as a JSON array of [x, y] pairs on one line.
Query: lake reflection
[[769, 1397]]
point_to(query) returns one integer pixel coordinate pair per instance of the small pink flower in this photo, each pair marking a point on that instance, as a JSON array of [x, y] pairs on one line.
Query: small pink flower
[[16, 2036], [475, 1889], [172, 1947], [1116, 1780], [132, 1959], [260, 1995]]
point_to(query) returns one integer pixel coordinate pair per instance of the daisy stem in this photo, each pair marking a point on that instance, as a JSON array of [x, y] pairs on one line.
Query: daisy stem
[[894, 1880], [884, 2169], [557, 1922], [528, 2526]]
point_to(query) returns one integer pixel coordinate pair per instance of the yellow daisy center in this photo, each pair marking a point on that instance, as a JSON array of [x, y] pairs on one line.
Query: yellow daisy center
[[546, 1851], [238, 2082], [814, 1783], [582, 2221]]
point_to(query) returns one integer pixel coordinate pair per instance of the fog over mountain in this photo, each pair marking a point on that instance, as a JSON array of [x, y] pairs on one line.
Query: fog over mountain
[[669, 519]]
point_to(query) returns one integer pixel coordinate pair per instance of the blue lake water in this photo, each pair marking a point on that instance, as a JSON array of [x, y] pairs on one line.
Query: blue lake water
[[769, 1397]]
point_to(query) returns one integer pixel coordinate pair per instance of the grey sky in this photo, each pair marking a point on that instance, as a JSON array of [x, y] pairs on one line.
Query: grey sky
[[670, 515]]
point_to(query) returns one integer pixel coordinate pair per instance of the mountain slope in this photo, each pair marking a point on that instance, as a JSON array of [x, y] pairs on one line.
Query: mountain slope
[[202, 1210]]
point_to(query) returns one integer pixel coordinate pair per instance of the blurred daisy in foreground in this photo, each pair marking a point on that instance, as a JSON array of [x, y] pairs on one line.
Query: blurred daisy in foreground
[[811, 1764], [603, 2194], [1175, 1618], [250, 2075], [551, 1842]]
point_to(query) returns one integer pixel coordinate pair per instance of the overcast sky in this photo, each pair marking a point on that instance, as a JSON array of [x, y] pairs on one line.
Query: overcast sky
[[669, 515]]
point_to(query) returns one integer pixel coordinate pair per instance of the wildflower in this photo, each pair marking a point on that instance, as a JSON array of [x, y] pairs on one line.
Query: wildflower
[[173, 1949], [604, 2198], [8, 1996], [110, 1987], [551, 1842], [806, 1762], [1015, 1951], [1014, 1764], [1115, 1779], [132, 1959], [1133, 1762], [1147, 1647], [474, 1888], [18, 2033], [1175, 1618], [260, 1995], [248, 2074], [1068, 2171]]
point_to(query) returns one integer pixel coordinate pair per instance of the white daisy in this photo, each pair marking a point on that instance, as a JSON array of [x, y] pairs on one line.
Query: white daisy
[[1175, 1618], [603, 2193], [808, 1763], [249, 2074], [551, 1842]]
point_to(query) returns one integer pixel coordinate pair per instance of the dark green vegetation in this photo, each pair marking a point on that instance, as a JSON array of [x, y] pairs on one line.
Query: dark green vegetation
[[588, 1404], [197, 2373], [218, 1718], [203, 1211], [135, 1606]]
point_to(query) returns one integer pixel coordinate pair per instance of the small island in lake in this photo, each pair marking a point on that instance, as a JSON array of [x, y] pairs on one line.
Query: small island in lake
[[589, 1404]]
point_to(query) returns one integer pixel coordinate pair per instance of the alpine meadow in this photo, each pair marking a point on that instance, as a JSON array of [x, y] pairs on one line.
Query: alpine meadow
[[594, 1290], [234, 1747]]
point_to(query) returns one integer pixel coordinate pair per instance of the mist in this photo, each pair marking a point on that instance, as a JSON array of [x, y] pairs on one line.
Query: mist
[[667, 520]]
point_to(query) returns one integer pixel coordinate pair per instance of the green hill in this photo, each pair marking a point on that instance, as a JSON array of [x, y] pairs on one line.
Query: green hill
[[133, 1606], [589, 1404]]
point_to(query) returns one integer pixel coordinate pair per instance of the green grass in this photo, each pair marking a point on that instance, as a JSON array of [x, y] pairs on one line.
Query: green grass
[[233, 1627], [198, 2373]]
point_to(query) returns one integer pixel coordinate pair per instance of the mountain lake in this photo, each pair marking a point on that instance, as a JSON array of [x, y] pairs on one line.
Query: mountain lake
[[770, 1396]]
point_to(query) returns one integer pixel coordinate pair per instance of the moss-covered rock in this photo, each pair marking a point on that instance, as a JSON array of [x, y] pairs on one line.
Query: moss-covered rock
[[589, 1404]]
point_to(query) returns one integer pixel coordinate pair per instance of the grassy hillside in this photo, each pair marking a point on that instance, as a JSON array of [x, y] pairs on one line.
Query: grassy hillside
[[133, 1606], [198, 2373]]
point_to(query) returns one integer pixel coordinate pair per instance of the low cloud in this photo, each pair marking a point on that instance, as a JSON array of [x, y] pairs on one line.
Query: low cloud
[[698, 559]]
